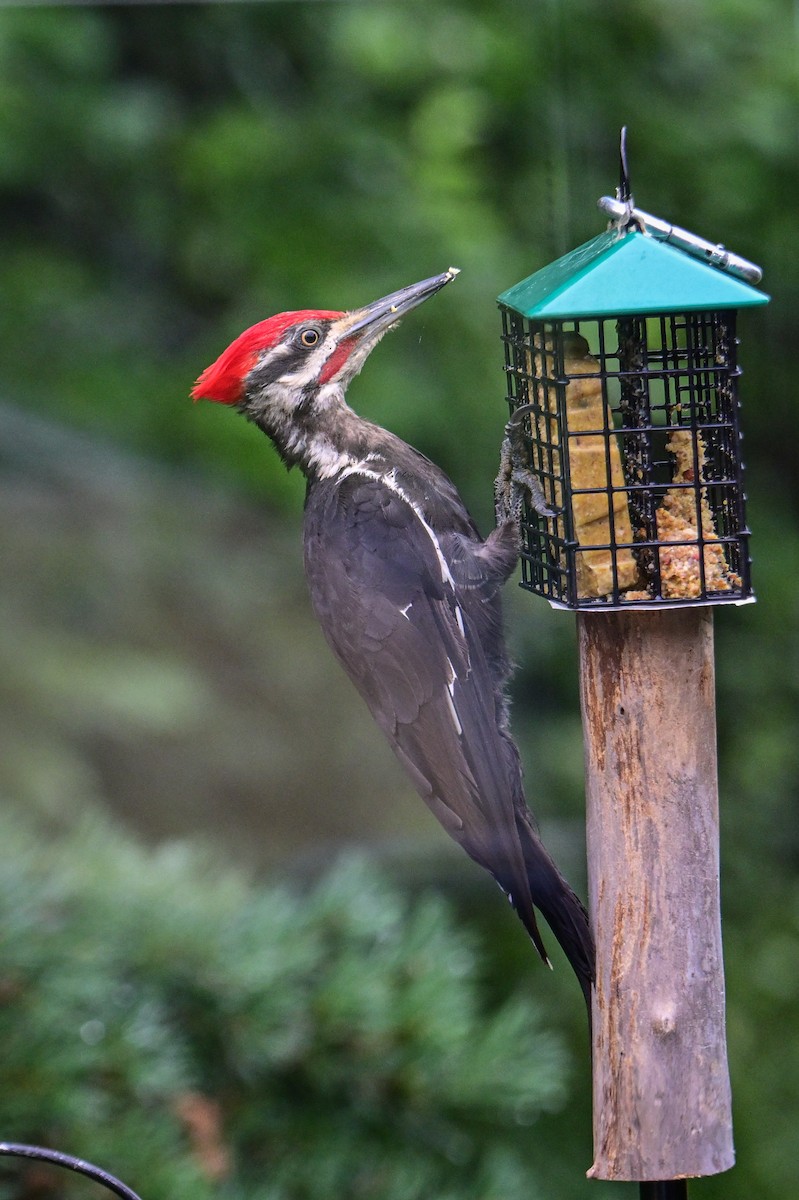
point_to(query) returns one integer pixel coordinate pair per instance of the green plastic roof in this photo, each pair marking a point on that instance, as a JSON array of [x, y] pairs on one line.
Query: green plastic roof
[[634, 273]]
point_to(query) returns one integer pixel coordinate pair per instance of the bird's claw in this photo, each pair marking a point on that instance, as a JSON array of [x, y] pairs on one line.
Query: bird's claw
[[516, 482]]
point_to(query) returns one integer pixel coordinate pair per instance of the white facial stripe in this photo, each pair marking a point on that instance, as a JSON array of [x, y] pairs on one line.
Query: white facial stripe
[[311, 367]]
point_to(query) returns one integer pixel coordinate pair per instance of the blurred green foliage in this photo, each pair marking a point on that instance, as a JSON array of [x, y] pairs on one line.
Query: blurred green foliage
[[204, 1037], [171, 174]]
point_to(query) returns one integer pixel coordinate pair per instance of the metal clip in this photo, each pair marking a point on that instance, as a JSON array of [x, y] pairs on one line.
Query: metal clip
[[621, 212]]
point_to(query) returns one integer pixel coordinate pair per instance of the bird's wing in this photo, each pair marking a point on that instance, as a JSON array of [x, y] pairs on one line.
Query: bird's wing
[[410, 639]]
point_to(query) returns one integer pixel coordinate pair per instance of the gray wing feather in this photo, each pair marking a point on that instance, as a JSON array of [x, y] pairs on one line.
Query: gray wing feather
[[424, 654]]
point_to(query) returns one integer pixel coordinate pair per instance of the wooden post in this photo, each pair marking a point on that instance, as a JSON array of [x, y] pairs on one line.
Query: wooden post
[[662, 1104]]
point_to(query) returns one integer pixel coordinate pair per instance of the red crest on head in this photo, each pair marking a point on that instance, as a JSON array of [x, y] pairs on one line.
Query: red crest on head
[[223, 381]]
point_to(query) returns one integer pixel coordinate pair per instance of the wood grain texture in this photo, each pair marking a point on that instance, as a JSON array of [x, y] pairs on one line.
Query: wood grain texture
[[662, 1104]]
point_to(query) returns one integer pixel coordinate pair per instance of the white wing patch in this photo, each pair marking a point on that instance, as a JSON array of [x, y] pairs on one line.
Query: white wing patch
[[451, 678], [454, 714]]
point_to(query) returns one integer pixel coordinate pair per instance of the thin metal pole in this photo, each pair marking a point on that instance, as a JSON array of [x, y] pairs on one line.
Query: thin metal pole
[[79, 1165], [665, 1189]]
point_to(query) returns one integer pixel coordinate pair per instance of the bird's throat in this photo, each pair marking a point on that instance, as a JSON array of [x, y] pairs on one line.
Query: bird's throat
[[318, 432]]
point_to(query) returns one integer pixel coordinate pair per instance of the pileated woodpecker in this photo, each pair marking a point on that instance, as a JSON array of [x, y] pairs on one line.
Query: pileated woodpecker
[[406, 591]]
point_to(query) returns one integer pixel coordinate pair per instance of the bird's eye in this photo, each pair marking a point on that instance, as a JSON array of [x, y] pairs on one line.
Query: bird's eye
[[309, 337]]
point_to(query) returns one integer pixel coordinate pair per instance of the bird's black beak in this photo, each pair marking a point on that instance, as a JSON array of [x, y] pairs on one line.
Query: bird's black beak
[[355, 334], [374, 319]]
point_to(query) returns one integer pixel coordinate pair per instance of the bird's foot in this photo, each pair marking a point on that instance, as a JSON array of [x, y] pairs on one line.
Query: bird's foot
[[516, 482]]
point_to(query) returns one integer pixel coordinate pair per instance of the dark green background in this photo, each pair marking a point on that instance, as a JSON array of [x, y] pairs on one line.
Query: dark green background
[[170, 175]]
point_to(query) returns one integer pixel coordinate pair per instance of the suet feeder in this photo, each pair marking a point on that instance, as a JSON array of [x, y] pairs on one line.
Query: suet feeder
[[622, 377], [625, 440]]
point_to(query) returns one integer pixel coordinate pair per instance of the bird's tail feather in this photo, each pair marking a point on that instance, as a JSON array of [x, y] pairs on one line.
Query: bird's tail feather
[[563, 911]]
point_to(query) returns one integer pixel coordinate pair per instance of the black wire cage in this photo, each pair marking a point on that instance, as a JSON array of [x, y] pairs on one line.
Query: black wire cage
[[622, 380]]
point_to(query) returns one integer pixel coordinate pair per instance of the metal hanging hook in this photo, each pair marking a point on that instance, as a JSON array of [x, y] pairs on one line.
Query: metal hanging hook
[[623, 192], [625, 215], [625, 205]]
